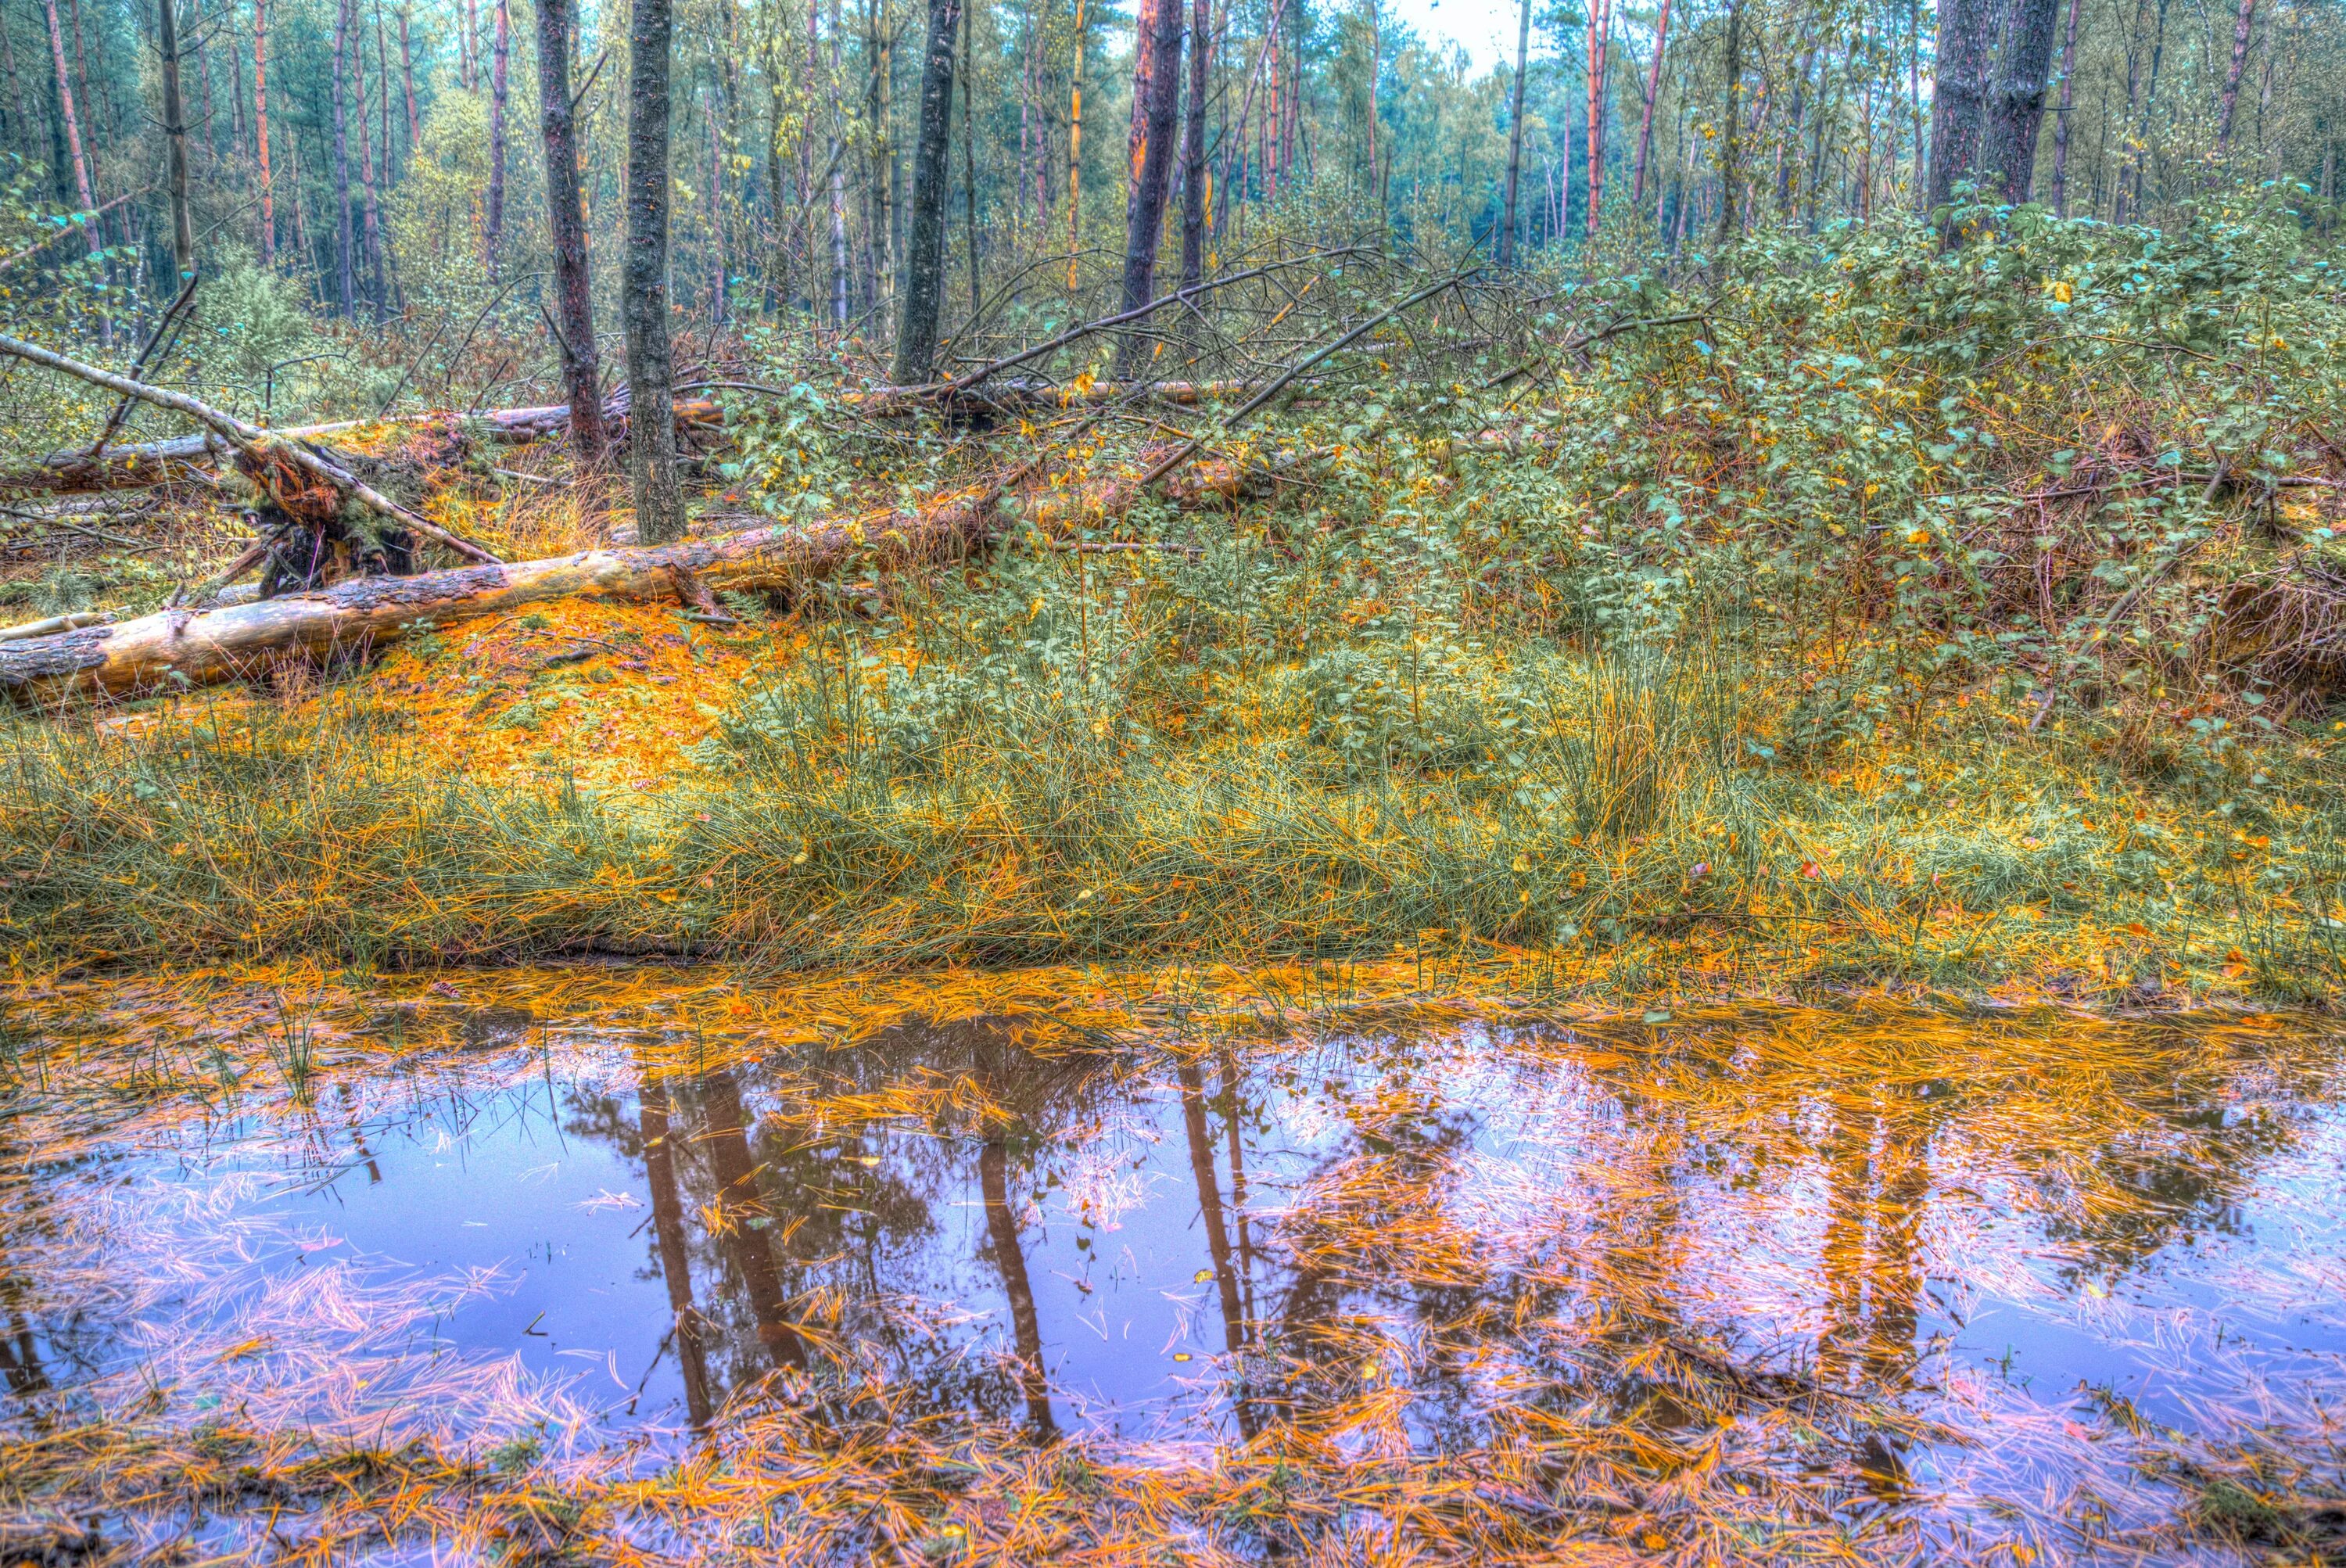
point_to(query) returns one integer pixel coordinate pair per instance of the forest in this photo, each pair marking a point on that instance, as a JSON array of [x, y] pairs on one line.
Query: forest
[[895, 780]]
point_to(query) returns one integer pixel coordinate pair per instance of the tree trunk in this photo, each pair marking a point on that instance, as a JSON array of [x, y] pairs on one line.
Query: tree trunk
[[2149, 103], [2241, 24], [651, 377], [1731, 134], [1600, 51], [23, 124], [407, 81], [72, 123], [574, 337], [492, 222], [382, 94], [1194, 192], [717, 289], [1959, 104], [969, 149], [924, 290], [370, 209], [2015, 109], [339, 87], [1653, 96], [175, 140], [261, 129], [1076, 153], [176, 647], [1515, 138], [2061, 122], [1156, 106], [840, 304]]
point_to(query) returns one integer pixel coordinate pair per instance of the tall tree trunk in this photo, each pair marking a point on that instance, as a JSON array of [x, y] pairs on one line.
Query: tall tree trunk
[[2016, 108], [339, 87], [2061, 121], [924, 290], [1076, 153], [1730, 159], [841, 305], [651, 377], [382, 94], [22, 123], [1653, 96], [2149, 103], [969, 148], [1600, 50], [2241, 23], [370, 211], [1959, 101], [174, 139], [717, 289], [574, 298], [1919, 190], [1787, 154], [493, 226], [468, 43], [261, 129], [1194, 192], [407, 81], [1156, 104], [1515, 137], [71, 120]]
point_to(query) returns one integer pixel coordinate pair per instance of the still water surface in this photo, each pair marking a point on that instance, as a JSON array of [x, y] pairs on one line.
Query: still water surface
[[1971, 1271]]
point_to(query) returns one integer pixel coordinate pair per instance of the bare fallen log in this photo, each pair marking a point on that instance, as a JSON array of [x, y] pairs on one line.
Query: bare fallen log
[[233, 640]]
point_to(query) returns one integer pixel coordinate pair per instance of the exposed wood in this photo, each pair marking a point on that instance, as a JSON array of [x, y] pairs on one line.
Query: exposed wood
[[232, 640], [644, 301], [261, 451], [53, 624]]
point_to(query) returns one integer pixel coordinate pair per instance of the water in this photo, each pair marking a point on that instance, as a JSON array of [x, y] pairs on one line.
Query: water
[[1904, 1277]]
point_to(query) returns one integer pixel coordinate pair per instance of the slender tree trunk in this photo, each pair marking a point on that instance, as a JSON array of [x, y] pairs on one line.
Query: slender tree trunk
[[2061, 122], [1076, 153], [1919, 190], [573, 295], [1515, 137], [407, 81], [1156, 104], [716, 275], [841, 305], [339, 92], [1194, 192], [174, 139], [1788, 163], [1376, 50], [2016, 108], [382, 95], [1730, 168], [2149, 103], [2133, 97], [1600, 49], [370, 211], [2242, 21], [1653, 96], [651, 377], [1959, 100], [969, 149], [468, 43], [72, 122], [22, 126], [493, 226]]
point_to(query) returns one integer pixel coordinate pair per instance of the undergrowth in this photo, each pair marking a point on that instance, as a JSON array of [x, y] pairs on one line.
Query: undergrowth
[[1953, 620]]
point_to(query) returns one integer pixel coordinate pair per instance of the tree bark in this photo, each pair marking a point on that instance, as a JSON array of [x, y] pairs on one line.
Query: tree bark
[[1731, 133], [651, 376], [1653, 96], [1959, 103], [2016, 108], [2241, 24], [72, 122], [370, 211], [1194, 192], [339, 92], [1156, 106], [574, 339], [2061, 121], [175, 140], [407, 81], [208, 646], [493, 222], [1515, 137], [261, 130], [1600, 54], [1076, 153], [923, 290]]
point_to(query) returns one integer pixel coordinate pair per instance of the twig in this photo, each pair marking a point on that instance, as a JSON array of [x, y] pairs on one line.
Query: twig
[[1189, 449]]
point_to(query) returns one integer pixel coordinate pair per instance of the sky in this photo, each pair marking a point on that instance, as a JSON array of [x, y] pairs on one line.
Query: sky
[[1485, 27]]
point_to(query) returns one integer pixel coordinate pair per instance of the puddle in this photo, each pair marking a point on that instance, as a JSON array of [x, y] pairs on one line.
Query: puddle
[[1894, 1281]]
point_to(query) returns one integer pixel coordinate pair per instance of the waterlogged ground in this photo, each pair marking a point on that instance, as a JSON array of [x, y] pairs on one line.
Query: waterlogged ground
[[634, 1267]]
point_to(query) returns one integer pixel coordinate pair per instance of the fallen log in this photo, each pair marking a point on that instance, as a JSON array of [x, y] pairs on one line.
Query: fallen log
[[228, 641]]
